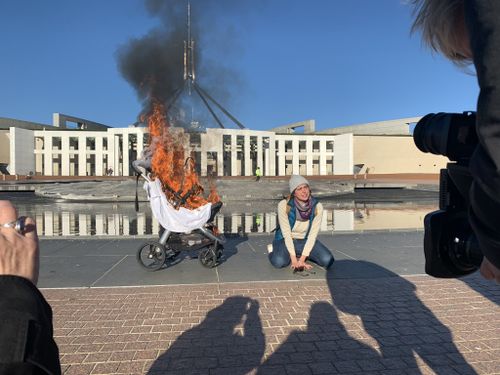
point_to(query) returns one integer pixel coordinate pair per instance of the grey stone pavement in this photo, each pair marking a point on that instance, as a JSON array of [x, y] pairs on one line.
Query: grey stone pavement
[[373, 312]]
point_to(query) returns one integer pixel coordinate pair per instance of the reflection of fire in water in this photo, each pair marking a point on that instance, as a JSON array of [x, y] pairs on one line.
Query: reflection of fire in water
[[176, 172]]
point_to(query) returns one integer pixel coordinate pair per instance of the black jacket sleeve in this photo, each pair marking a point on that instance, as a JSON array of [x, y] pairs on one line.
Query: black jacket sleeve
[[483, 24], [26, 334]]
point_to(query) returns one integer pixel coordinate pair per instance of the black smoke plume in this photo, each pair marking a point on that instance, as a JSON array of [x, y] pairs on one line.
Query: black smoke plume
[[153, 64]]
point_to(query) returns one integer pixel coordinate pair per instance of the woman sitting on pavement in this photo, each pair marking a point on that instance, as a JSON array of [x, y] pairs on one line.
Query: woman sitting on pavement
[[299, 218]]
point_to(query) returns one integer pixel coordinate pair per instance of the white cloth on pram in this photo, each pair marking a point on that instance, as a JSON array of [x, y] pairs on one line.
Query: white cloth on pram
[[181, 220]]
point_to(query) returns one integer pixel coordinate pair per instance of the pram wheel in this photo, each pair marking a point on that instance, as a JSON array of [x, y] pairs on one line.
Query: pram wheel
[[151, 256], [210, 255]]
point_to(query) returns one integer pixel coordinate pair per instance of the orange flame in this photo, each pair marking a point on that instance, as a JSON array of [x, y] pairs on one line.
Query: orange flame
[[169, 163]]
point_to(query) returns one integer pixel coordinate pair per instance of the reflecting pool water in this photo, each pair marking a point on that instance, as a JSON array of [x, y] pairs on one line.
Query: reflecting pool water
[[120, 219]]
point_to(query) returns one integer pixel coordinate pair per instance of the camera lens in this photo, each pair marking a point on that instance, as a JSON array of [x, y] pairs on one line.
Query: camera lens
[[449, 134], [431, 133]]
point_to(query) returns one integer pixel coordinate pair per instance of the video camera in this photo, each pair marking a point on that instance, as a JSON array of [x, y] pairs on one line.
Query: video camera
[[450, 247]]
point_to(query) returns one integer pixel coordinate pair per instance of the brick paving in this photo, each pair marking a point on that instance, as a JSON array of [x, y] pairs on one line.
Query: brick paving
[[388, 325]]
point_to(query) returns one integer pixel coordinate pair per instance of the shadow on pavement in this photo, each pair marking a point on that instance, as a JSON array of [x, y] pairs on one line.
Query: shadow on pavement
[[231, 245], [396, 326], [325, 342], [231, 337], [393, 315], [482, 286]]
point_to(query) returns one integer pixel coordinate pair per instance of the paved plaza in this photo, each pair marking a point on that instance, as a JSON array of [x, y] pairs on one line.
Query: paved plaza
[[373, 312]]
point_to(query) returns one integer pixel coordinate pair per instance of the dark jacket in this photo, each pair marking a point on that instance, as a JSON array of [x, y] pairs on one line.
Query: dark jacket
[[26, 334], [483, 24]]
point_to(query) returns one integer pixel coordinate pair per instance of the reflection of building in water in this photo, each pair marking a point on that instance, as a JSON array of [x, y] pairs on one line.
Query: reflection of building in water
[[64, 223], [93, 149], [390, 218]]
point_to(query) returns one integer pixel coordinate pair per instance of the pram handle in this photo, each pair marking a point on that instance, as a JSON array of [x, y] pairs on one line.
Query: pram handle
[[141, 169], [214, 210]]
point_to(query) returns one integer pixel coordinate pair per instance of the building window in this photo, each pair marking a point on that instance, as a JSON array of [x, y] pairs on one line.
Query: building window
[[73, 143], [315, 146], [226, 140], [90, 143], [56, 143], [329, 146], [194, 140], [302, 146]]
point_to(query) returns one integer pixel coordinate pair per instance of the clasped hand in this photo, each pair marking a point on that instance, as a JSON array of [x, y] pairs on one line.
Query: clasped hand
[[299, 264]]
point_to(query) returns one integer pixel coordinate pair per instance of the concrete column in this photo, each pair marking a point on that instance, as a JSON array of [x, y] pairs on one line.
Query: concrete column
[[309, 156], [281, 157], [220, 156], [140, 143], [266, 169], [116, 156], [65, 155], [343, 162], [114, 224], [65, 220], [220, 223], [82, 155], [82, 224], [235, 223], [99, 224], [98, 156], [141, 223], [38, 162], [57, 121], [272, 157], [126, 226], [39, 224], [295, 156], [260, 226], [125, 157], [322, 157], [47, 154], [111, 151], [49, 223], [203, 155], [248, 223], [270, 221], [234, 155], [248, 161], [155, 225], [260, 153]]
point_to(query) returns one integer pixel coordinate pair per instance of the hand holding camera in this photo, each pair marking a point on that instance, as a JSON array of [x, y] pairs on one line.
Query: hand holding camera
[[489, 271]]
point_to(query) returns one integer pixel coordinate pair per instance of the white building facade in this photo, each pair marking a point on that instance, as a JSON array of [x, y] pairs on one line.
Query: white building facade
[[54, 151]]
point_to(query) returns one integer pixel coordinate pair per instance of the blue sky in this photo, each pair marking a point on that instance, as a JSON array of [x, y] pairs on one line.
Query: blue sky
[[338, 62]]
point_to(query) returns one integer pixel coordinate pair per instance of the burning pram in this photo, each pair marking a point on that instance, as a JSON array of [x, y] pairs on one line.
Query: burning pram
[[183, 229]]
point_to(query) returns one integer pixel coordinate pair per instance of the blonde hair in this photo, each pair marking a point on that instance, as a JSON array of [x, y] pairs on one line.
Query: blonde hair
[[440, 22]]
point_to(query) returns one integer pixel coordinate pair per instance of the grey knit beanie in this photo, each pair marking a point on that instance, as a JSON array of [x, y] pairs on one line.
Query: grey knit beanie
[[296, 180]]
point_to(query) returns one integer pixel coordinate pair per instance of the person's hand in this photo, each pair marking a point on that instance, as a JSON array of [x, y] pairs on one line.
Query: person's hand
[[489, 271], [19, 252], [302, 263], [295, 264]]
